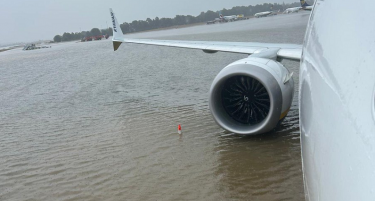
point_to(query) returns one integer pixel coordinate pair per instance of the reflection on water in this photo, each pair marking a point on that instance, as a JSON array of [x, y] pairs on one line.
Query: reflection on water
[[263, 167], [81, 122]]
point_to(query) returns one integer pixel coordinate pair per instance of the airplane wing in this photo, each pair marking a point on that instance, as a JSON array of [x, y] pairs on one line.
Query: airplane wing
[[284, 51]]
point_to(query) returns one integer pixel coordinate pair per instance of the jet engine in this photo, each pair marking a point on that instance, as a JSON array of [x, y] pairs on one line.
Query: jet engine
[[251, 96]]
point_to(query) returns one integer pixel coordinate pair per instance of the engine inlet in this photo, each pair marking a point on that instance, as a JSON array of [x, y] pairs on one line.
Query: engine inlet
[[245, 100]]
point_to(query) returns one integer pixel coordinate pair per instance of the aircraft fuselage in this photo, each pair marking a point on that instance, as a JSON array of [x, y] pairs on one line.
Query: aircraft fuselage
[[263, 14], [337, 102]]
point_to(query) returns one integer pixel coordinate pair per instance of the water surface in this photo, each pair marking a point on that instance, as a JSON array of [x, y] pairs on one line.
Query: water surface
[[81, 122]]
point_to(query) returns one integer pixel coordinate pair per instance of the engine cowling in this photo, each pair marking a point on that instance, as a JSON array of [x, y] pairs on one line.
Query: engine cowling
[[251, 96]]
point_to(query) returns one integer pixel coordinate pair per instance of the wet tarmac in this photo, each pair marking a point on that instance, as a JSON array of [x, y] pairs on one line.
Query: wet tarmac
[[81, 122]]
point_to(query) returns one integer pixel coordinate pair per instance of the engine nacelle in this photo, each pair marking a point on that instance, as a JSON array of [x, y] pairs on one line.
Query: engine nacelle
[[251, 96]]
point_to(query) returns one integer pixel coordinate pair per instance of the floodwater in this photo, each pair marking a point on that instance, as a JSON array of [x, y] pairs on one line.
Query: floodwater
[[81, 122]]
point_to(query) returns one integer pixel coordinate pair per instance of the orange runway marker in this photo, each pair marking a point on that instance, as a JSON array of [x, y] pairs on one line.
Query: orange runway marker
[[179, 129]]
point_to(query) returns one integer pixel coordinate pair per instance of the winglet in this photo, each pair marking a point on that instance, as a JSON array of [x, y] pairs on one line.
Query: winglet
[[118, 36]]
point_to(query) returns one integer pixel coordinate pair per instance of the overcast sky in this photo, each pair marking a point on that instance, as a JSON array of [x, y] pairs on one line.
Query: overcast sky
[[30, 20]]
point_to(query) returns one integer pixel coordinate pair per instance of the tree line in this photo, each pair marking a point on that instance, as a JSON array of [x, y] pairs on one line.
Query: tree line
[[79, 35], [156, 23]]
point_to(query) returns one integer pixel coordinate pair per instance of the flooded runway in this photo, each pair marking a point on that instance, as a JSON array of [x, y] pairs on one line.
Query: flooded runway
[[81, 122]]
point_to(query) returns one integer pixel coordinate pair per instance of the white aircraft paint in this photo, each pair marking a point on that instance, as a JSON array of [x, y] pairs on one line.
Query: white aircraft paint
[[263, 14], [336, 95], [292, 10]]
